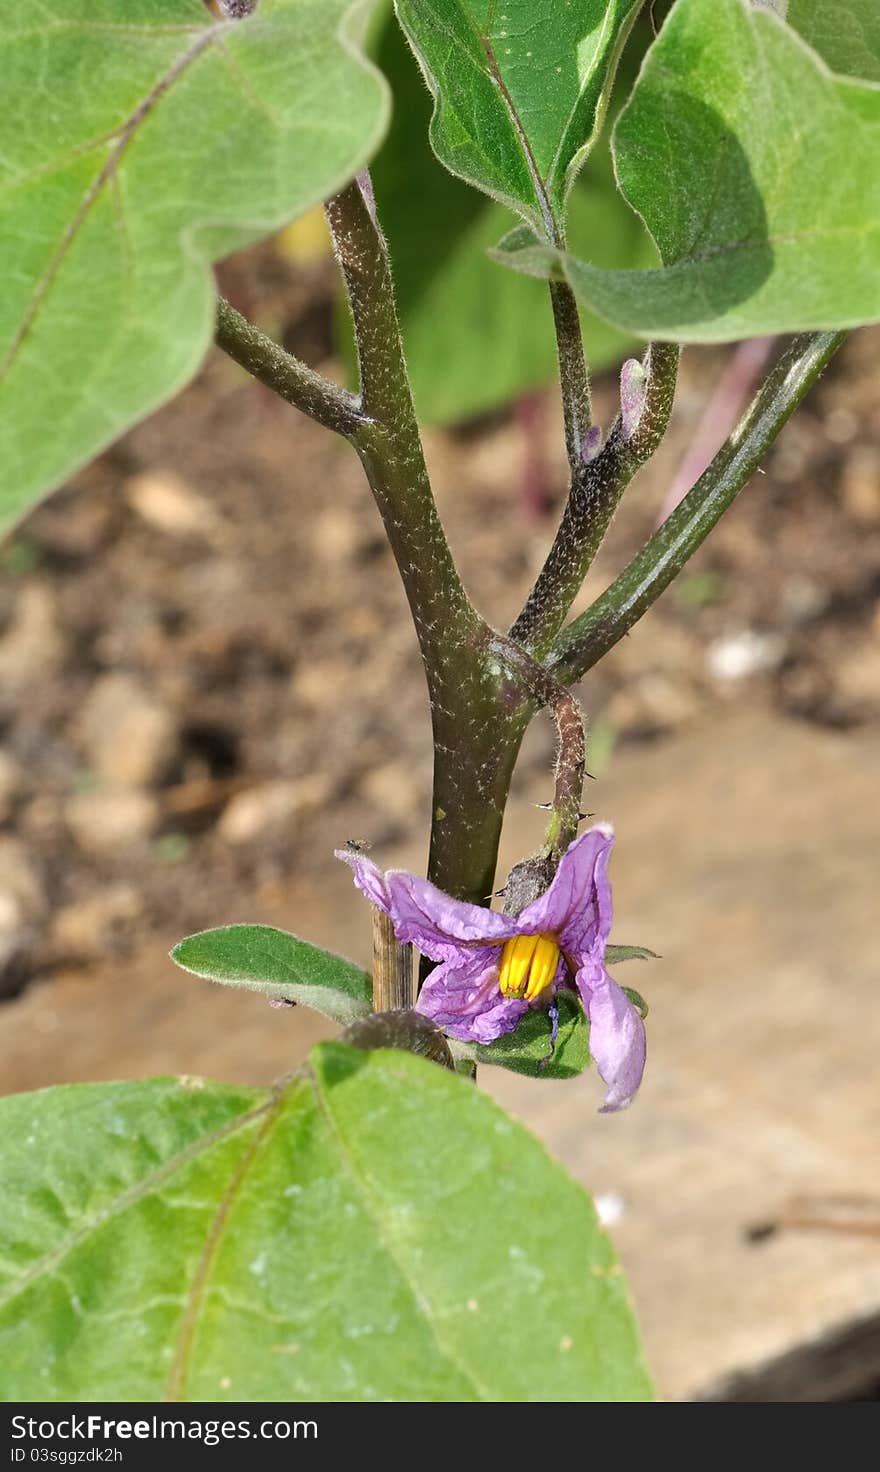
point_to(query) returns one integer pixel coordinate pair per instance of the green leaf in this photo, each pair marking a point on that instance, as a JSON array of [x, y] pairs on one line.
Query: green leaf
[[260, 958], [374, 1230], [637, 1000], [520, 88], [758, 175], [846, 33], [527, 1049], [615, 954], [136, 154], [451, 298]]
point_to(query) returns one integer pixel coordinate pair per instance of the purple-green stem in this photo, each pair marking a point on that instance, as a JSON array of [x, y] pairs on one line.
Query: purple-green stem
[[595, 489], [590, 636], [485, 687], [474, 705]]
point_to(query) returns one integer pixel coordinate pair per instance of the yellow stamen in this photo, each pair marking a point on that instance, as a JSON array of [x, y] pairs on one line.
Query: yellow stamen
[[528, 965], [544, 963]]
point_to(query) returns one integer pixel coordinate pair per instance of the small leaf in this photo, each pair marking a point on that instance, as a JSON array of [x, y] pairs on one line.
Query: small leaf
[[260, 958], [637, 1000], [758, 174], [131, 156], [615, 954], [376, 1229], [520, 90], [527, 1049]]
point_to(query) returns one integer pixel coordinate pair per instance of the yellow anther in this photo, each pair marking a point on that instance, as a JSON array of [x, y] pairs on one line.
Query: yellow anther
[[516, 960], [543, 968], [528, 964]]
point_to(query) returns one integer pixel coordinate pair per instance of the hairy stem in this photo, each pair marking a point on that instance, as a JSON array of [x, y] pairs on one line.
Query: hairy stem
[[573, 377], [591, 636], [285, 375], [389, 444], [735, 389], [474, 757], [477, 721], [596, 488], [571, 755]]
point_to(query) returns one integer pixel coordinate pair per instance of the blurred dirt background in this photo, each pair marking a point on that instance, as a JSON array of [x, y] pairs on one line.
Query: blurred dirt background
[[208, 680]]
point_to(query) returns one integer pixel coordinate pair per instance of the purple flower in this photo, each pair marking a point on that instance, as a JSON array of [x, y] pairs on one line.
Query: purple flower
[[493, 967]]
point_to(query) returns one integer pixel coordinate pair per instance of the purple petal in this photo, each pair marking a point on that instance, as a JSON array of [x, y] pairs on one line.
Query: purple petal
[[617, 1035], [465, 1001], [577, 906], [368, 877], [423, 915]]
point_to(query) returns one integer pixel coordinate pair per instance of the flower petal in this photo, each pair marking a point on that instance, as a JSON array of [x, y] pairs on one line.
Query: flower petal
[[577, 906], [423, 915], [368, 877], [617, 1035], [466, 1002]]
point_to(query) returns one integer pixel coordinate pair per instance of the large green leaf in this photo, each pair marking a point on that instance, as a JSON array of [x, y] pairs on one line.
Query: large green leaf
[[757, 172], [259, 958], [374, 1230], [520, 88], [135, 150], [845, 32]]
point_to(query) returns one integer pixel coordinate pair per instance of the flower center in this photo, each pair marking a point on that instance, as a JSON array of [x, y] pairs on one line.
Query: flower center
[[528, 965]]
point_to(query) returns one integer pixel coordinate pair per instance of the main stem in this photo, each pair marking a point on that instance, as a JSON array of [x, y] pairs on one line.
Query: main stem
[[478, 716], [388, 442], [485, 688]]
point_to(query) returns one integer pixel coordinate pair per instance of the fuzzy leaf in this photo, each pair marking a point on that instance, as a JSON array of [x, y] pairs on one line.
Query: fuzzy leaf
[[520, 88], [374, 1230], [615, 954], [137, 153], [527, 1049], [758, 174], [259, 958], [845, 32]]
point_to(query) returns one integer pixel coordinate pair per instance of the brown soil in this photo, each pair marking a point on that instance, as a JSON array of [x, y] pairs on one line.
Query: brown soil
[[204, 646]]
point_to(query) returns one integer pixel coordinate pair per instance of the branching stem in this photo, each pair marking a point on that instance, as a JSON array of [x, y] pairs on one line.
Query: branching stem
[[546, 691], [591, 636], [597, 485], [286, 375]]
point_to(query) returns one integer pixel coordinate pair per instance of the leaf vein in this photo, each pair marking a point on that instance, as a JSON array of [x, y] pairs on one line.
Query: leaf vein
[[373, 1207], [49, 1262]]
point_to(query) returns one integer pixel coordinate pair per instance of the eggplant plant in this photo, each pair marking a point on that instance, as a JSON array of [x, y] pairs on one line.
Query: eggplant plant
[[374, 1227]]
